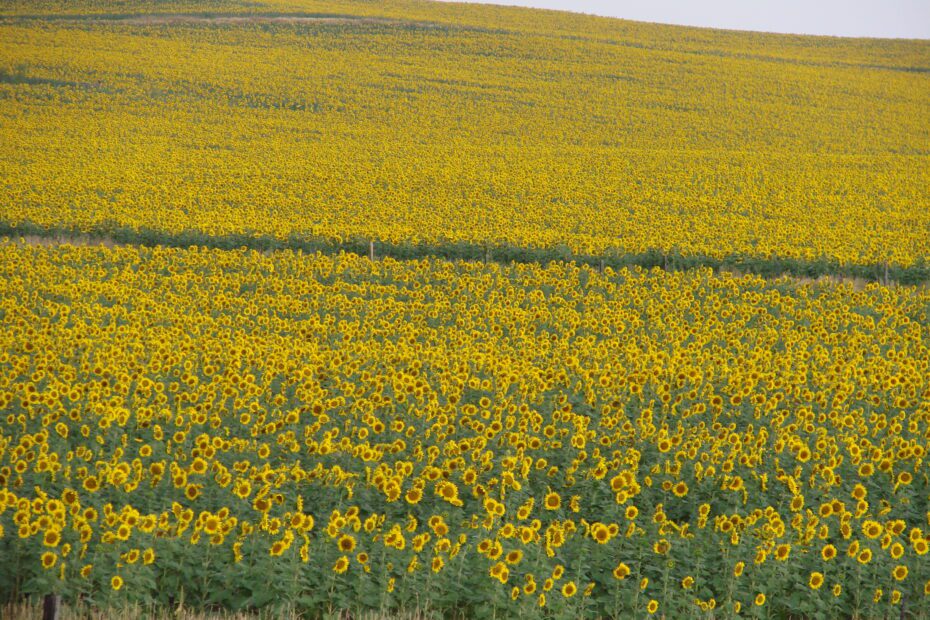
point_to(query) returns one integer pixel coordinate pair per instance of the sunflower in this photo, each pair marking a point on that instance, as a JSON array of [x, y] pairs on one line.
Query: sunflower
[[242, 489], [552, 501], [211, 524], [51, 538], [622, 571], [500, 572], [920, 546], [341, 565], [872, 529], [569, 589], [600, 533], [530, 586], [198, 466], [853, 549], [346, 543], [816, 580]]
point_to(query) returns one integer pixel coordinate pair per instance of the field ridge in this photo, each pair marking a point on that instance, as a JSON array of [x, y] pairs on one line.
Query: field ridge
[[772, 267]]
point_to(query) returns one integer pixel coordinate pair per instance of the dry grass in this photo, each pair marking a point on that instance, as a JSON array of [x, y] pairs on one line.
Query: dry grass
[[75, 240], [31, 611], [857, 284]]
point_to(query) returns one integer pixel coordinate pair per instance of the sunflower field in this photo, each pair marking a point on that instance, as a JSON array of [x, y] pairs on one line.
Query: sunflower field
[[444, 125], [324, 431], [335, 307]]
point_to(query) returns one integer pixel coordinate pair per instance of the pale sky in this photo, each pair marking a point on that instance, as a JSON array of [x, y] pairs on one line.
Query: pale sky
[[847, 18]]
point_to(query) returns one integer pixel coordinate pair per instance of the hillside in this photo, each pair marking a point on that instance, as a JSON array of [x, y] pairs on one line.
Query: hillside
[[444, 124]]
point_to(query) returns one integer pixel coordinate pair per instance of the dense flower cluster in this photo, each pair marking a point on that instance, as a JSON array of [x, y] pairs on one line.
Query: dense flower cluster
[[535, 440], [442, 123]]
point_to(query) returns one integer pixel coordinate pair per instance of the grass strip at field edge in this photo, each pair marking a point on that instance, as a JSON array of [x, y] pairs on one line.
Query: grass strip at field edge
[[769, 267]]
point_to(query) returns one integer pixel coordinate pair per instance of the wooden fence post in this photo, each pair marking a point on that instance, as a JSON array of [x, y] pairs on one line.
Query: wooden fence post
[[51, 607], [371, 249]]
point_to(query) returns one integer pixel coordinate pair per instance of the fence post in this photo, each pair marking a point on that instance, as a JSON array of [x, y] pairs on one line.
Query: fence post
[[371, 249], [51, 607]]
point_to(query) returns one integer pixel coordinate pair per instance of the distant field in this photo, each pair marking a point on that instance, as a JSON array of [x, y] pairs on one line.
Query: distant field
[[445, 124]]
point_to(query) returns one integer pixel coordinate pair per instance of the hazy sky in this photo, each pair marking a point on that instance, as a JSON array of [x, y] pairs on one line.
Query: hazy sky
[[848, 18]]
